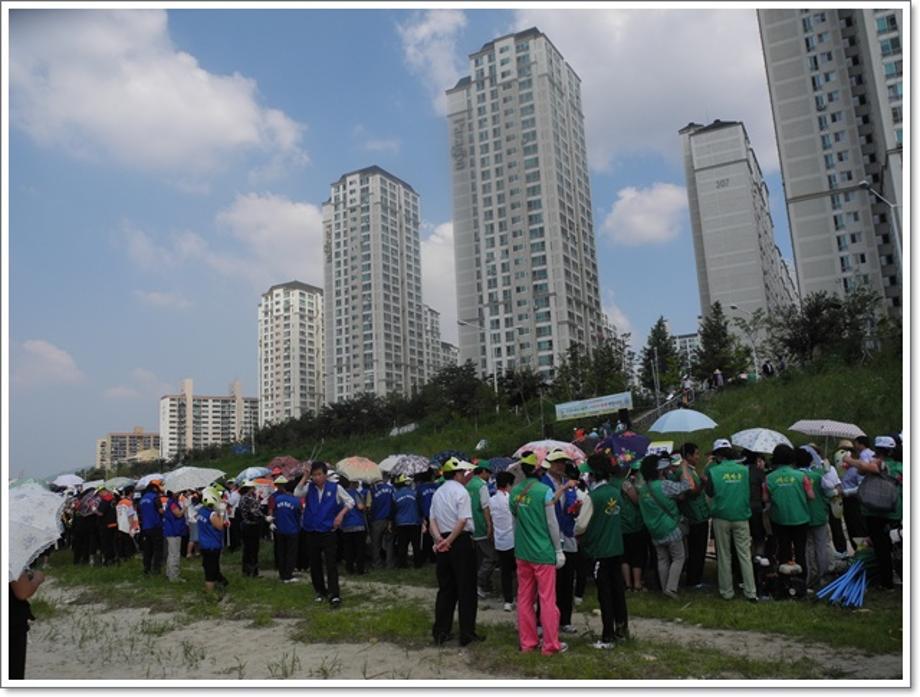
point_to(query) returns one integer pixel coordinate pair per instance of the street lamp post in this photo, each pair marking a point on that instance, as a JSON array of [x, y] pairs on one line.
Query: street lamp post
[[491, 363], [894, 218], [751, 338]]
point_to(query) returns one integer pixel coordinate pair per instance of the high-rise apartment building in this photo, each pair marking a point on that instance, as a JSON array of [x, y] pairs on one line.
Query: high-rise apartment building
[[431, 333], [115, 448], [373, 286], [737, 260], [836, 86], [527, 285], [291, 348], [189, 421]]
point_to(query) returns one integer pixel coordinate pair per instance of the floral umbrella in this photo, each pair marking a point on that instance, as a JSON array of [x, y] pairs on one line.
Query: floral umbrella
[[445, 455], [759, 440], [411, 465], [542, 448], [626, 447], [359, 469], [35, 524]]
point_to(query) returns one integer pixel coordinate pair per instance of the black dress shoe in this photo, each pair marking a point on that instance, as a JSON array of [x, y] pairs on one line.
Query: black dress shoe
[[471, 639], [443, 639]]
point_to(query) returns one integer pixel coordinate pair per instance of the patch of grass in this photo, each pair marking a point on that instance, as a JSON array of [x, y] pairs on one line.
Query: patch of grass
[[285, 667], [152, 627], [239, 669], [327, 668], [45, 609], [192, 654], [632, 660], [423, 577], [404, 624]]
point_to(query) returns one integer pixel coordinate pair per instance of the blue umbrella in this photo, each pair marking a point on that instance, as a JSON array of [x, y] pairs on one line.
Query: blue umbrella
[[627, 447], [500, 464], [445, 455], [252, 473], [682, 421]]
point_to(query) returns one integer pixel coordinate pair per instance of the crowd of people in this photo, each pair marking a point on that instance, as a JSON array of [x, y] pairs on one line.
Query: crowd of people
[[544, 525]]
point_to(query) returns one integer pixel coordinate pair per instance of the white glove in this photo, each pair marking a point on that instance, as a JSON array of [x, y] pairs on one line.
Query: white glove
[[269, 518], [560, 558], [273, 527], [895, 535]]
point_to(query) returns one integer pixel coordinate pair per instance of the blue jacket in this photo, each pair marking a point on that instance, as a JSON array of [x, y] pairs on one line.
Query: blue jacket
[[149, 515], [354, 518], [319, 513], [406, 506], [382, 501], [209, 537], [287, 514], [424, 492], [172, 526]]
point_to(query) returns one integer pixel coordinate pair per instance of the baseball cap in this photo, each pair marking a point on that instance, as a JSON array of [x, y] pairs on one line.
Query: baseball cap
[[484, 465], [529, 459], [557, 455], [885, 442], [720, 443], [845, 444], [454, 464], [281, 480], [401, 479]]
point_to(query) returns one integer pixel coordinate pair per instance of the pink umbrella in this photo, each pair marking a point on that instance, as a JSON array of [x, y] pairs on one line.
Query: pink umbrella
[[359, 469]]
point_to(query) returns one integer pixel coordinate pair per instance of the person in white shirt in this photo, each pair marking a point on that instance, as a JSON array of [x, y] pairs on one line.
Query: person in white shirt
[[503, 531], [451, 520]]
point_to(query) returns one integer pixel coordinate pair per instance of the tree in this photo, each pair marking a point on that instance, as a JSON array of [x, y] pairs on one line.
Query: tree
[[609, 365], [519, 386], [752, 327], [659, 346], [569, 382], [719, 348]]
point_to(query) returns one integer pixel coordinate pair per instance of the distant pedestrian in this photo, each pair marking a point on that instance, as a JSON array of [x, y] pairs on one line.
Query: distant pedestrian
[[486, 559], [150, 512], [251, 520], [286, 527], [381, 522], [424, 492], [354, 528], [20, 613], [174, 527], [408, 521], [786, 494], [211, 525], [503, 530]]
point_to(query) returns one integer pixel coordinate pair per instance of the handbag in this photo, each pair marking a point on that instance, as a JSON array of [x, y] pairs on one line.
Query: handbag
[[878, 493]]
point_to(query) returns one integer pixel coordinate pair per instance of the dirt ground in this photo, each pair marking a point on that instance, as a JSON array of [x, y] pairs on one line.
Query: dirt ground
[[89, 642]]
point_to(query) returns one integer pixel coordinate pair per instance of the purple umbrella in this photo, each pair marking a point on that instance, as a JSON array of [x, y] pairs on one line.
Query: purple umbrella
[[626, 447]]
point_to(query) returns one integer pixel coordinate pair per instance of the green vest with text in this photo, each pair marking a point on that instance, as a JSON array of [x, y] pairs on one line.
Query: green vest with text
[[531, 533], [604, 536], [630, 518], [659, 512], [818, 506], [694, 507], [731, 498], [788, 503], [479, 519]]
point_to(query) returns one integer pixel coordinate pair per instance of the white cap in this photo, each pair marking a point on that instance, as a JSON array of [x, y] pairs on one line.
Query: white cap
[[885, 442], [720, 443]]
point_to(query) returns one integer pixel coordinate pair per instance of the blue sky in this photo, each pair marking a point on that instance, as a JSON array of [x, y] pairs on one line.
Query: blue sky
[[166, 168]]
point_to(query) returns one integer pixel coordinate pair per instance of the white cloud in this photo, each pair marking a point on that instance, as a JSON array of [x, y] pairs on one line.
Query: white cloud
[[647, 216], [616, 314], [162, 299], [647, 73], [262, 238], [121, 392], [430, 50], [439, 288], [382, 145], [110, 85], [41, 362]]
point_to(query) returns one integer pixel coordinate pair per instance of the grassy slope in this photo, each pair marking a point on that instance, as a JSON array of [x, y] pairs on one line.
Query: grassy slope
[[869, 396]]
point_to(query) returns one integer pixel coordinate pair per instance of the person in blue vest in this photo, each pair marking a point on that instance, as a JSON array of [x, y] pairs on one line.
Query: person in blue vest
[[211, 525], [381, 521], [562, 479], [174, 528], [150, 511], [424, 492], [354, 528], [286, 526], [408, 523], [325, 507]]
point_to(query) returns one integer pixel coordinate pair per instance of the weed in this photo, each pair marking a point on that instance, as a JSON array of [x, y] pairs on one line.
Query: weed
[[153, 627], [192, 654], [325, 670], [285, 667]]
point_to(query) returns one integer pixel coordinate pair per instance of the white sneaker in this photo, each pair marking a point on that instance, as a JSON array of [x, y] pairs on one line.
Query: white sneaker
[[508, 607], [539, 631], [568, 629], [563, 647], [603, 645], [579, 601], [481, 593]]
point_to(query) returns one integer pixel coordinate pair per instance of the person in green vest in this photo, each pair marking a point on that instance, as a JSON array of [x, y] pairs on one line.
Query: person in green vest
[[486, 558], [786, 494], [695, 509], [817, 544], [599, 524], [658, 506], [881, 526], [727, 484], [538, 553], [635, 536]]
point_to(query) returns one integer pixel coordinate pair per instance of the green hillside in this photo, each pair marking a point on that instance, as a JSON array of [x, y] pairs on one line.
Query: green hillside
[[869, 396]]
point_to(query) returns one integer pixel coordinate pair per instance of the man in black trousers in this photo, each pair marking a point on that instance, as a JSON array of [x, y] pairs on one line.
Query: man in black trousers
[[451, 518]]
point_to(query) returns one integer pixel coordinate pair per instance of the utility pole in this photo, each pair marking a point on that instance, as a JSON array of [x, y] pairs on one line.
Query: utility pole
[[657, 383]]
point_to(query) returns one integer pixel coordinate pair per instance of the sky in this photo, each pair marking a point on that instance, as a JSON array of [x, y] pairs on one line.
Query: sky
[[168, 167]]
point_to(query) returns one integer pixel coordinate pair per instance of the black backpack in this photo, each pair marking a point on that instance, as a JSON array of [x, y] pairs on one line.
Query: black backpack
[[878, 493]]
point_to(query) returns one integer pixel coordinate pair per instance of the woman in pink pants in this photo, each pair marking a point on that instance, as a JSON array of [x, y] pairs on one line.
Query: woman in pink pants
[[538, 552]]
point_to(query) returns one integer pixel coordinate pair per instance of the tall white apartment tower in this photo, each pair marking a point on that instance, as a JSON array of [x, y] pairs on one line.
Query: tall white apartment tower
[[737, 260], [373, 286], [836, 86], [527, 285], [291, 348]]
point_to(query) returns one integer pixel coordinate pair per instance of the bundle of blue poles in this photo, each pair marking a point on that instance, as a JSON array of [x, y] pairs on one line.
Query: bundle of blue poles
[[849, 589]]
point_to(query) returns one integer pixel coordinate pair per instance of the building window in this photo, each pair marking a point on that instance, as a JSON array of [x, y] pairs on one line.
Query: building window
[[886, 24], [891, 46]]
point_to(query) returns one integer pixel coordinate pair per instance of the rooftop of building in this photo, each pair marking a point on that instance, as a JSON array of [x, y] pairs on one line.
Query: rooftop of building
[[695, 128], [298, 285], [375, 169]]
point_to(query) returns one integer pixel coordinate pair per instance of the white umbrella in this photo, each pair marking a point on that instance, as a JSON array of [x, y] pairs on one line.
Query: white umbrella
[[389, 462], [759, 440], [95, 484], [66, 480], [146, 479], [827, 427], [35, 524], [682, 421], [118, 483], [191, 478]]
